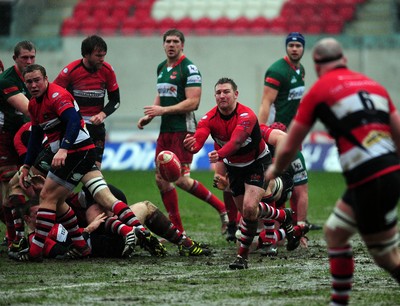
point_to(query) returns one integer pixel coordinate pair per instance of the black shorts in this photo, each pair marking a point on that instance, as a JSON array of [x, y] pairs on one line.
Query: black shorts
[[254, 174], [98, 135], [374, 203], [77, 164], [43, 161]]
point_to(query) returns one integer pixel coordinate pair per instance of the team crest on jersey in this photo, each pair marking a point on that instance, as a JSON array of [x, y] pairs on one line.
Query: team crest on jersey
[[243, 114], [55, 95], [193, 69], [173, 75], [293, 80], [65, 70]]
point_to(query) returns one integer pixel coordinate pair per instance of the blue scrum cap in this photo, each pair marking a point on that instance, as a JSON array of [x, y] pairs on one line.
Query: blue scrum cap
[[296, 36]]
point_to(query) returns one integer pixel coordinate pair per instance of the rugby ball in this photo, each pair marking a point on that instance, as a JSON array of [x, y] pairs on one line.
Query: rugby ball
[[169, 166]]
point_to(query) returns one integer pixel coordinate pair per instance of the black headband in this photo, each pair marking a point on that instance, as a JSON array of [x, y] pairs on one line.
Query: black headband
[[328, 59]]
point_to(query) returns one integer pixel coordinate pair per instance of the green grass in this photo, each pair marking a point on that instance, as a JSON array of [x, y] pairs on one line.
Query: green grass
[[293, 278]]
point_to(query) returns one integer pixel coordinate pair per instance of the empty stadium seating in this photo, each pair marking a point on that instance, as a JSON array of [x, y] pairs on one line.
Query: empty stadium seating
[[209, 17]]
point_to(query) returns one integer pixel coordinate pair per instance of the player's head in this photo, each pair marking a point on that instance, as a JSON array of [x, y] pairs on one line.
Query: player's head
[[93, 50], [24, 54], [226, 94], [295, 44], [328, 54], [173, 44], [297, 37], [92, 43], [174, 32], [36, 79]]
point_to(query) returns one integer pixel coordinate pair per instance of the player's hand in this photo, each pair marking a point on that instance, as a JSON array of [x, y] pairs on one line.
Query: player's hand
[[220, 182], [144, 121], [271, 173], [23, 179], [189, 143], [59, 159], [213, 156], [154, 110], [96, 223], [98, 119]]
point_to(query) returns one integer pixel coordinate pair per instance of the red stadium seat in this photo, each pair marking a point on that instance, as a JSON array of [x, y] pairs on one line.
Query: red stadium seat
[[241, 26], [130, 26], [203, 26], [69, 27], [101, 13], [221, 26], [333, 28], [346, 12], [148, 26], [185, 25], [89, 26], [165, 24], [82, 10], [109, 26], [259, 26]]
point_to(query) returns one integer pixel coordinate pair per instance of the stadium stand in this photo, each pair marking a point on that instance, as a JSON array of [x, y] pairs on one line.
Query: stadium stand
[[209, 17]]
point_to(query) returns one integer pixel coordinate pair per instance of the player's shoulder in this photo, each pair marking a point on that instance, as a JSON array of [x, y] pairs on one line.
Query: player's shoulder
[[55, 92], [108, 67], [279, 64], [9, 74], [241, 107], [5, 83], [71, 66], [190, 66]]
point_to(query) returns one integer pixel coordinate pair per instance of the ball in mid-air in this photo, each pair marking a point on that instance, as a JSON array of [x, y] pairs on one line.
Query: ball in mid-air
[[169, 166]]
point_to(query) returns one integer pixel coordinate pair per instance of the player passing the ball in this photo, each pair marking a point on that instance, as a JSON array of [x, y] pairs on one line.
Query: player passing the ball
[[238, 143], [179, 90]]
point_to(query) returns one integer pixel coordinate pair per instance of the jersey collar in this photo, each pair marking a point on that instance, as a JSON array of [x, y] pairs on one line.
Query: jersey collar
[[19, 73], [178, 61], [286, 58]]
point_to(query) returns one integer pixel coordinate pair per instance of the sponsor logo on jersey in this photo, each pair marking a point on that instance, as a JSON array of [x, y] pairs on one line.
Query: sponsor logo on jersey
[[167, 90], [89, 93], [193, 69], [194, 79], [293, 80], [296, 93]]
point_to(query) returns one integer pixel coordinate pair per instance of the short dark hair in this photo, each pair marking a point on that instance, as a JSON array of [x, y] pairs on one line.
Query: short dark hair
[[226, 80], [26, 45], [174, 32], [91, 43], [34, 67]]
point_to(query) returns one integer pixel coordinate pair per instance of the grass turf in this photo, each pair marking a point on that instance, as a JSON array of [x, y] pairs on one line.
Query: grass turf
[[292, 278]]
